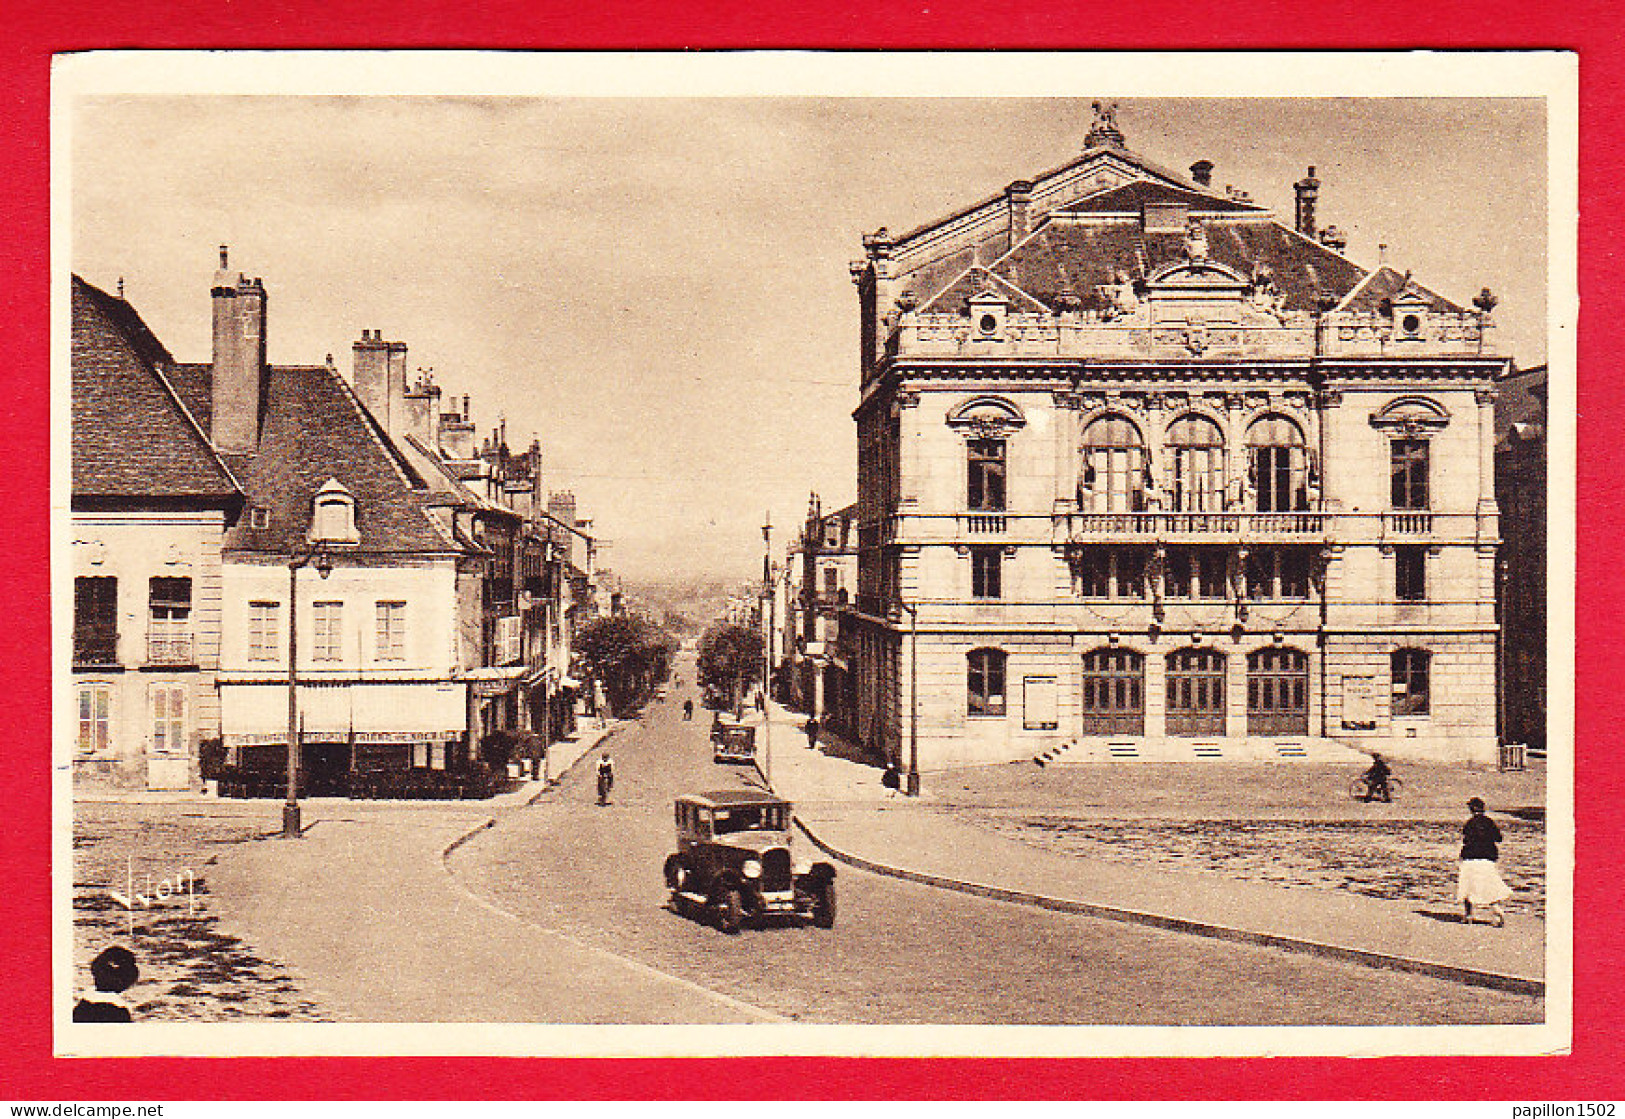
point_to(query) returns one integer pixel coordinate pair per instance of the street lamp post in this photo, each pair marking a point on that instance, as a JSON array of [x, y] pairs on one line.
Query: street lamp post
[[913, 786], [767, 650], [324, 567]]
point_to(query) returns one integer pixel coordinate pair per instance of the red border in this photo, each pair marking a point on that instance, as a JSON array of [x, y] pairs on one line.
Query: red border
[[35, 31]]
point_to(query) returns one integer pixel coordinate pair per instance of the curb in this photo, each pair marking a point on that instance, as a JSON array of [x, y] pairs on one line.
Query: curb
[[1512, 984]]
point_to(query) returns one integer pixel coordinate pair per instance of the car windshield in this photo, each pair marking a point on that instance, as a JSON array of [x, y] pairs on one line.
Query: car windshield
[[767, 817]]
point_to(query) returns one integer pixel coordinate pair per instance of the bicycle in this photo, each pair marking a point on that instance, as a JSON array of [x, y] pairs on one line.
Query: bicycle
[[1359, 790]]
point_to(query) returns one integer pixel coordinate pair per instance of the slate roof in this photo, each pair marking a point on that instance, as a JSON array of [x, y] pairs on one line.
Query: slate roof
[[132, 439], [1386, 283], [1080, 259], [315, 429]]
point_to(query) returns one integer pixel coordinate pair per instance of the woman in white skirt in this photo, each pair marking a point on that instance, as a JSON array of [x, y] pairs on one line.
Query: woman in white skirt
[[1480, 883]]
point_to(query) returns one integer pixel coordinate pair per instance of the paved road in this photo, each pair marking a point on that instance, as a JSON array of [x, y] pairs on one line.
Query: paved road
[[900, 953]]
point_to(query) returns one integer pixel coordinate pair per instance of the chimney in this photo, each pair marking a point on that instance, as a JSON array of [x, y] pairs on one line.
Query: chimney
[[423, 410], [1202, 172], [1018, 198], [371, 374], [456, 434], [394, 418], [1307, 187], [1334, 238], [237, 383]]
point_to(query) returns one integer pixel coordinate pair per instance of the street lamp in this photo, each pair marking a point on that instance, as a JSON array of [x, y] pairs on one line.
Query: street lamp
[[913, 786], [314, 556]]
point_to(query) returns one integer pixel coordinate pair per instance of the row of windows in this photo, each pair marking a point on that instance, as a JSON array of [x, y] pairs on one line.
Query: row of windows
[[1113, 694], [1115, 469], [327, 631], [166, 706]]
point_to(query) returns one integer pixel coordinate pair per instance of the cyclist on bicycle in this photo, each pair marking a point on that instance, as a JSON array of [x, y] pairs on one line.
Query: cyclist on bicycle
[[1376, 781]]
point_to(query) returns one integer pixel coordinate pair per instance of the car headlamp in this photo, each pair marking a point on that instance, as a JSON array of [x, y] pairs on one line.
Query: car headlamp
[[751, 869]]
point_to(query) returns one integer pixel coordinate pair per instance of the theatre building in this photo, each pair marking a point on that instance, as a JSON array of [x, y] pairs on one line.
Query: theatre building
[[1147, 472]]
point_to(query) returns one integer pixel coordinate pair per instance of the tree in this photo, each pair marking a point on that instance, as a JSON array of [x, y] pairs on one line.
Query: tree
[[730, 660], [629, 654]]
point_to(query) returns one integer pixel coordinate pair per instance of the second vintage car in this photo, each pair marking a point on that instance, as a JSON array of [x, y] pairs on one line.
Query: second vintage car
[[734, 864]]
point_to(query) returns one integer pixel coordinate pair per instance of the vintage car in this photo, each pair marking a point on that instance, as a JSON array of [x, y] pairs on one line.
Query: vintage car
[[734, 864], [732, 742]]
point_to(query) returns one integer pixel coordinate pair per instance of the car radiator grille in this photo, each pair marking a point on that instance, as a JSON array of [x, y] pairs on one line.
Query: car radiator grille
[[776, 869]]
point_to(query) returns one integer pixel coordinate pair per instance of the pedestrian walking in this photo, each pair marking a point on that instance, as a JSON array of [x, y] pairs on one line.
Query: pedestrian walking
[[811, 728], [688, 710], [1480, 882], [113, 971], [606, 777]]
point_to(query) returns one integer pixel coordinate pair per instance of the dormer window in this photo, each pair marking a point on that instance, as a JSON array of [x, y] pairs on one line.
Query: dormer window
[[987, 312], [332, 518]]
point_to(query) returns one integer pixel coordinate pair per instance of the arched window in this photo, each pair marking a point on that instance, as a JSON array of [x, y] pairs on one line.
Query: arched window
[[1113, 692], [1195, 692], [1277, 691], [1279, 463], [1198, 465], [984, 681], [1113, 479]]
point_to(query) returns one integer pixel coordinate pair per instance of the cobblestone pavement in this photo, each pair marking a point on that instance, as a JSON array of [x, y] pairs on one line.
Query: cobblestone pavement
[[1403, 859], [190, 969]]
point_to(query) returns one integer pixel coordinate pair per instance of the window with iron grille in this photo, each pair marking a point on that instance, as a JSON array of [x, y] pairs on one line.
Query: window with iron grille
[[169, 620], [1408, 469], [95, 619], [1113, 692], [1195, 692], [985, 486], [391, 617], [984, 681], [328, 626], [1409, 668], [1277, 691], [264, 631], [986, 573], [1410, 573], [1196, 573]]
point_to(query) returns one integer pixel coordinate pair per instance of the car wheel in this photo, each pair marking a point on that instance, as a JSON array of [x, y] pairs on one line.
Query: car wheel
[[823, 913], [675, 872], [731, 913]]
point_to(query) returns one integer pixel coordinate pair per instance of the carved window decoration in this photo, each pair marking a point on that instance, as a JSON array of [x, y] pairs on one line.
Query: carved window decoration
[[1114, 468], [984, 681], [1113, 692], [986, 417], [1198, 465], [1279, 464], [1412, 416]]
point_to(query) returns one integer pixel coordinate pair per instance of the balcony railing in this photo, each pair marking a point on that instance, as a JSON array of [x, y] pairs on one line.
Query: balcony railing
[[1120, 526], [984, 524], [170, 648], [1418, 523]]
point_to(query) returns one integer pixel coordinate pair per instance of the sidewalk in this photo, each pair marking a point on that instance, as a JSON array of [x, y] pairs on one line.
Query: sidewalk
[[844, 809]]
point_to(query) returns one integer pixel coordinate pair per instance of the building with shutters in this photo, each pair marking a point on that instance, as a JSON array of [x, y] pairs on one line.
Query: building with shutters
[[1146, 472], [151, 502]]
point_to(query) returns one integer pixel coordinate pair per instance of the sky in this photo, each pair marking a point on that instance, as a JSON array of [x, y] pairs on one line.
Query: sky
[[657, 288]]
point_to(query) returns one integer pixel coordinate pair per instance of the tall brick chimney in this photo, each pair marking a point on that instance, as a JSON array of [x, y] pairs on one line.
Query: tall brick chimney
[[1308, 188], [423, 410], [237, 385], [1018, 198], [380, 379]]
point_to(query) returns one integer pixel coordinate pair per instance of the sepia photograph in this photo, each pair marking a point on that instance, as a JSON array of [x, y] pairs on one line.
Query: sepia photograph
[[740, 554]]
